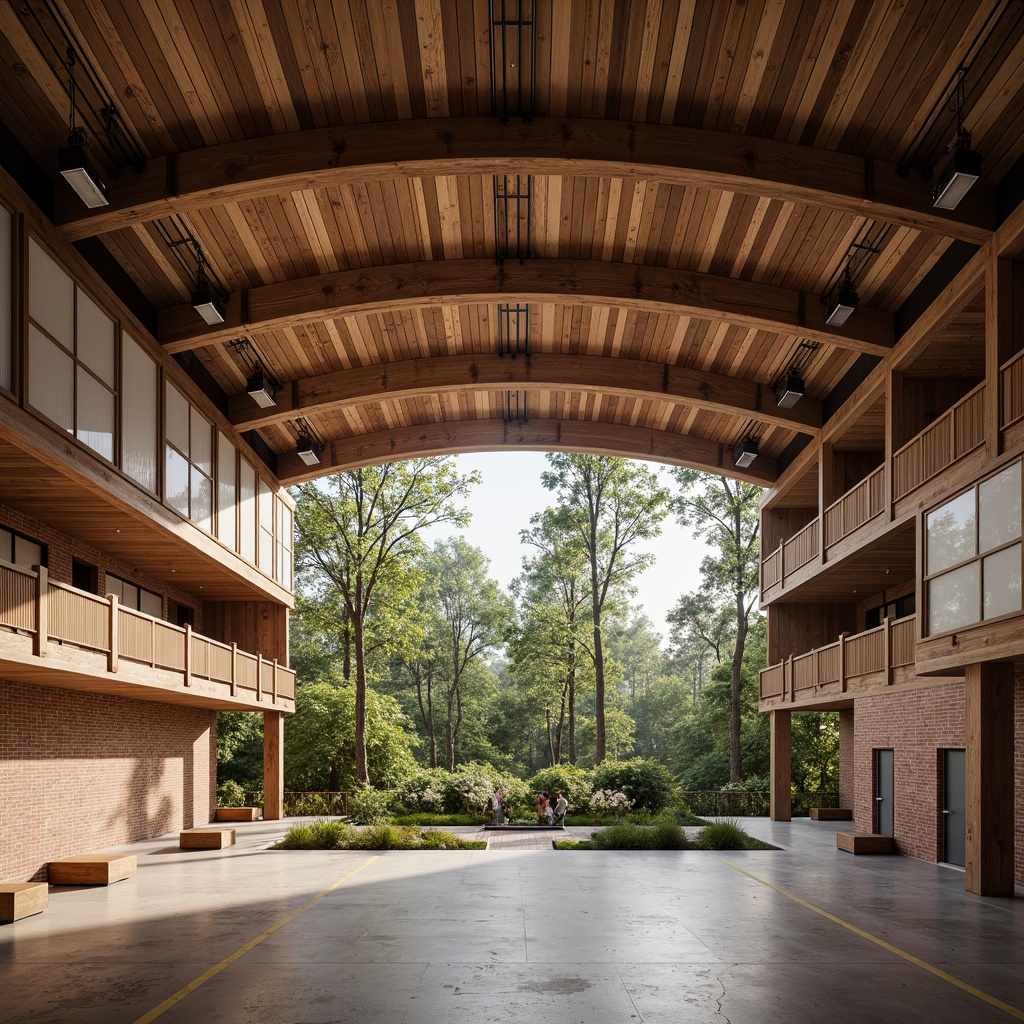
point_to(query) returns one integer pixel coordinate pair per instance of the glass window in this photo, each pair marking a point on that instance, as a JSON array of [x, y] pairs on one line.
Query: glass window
[[96, 339], [96, 414], [176, 413], [135, 597], [999, 509], [1001, 573], [140, 414], [6, 309], [266, 525], [176, 482], [27, 552], [51, 296], [247, 511], [227, 487], [189, 460], [51, 382], [954, 599], [951, 533]]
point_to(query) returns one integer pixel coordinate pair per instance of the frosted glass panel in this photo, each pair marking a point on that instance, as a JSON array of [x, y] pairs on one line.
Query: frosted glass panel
[[201, 452], [247, 511], [130, 596], [954, 599], [51, 296], [112, 585], [202, 500], [5, 298], [139, 414], [27, 553], [176, 481], [95, 415], [51, 382], [999, 509], [151, 604], [96, 346], [1001, 573], [227, 486], [176, 415], [951, 533]]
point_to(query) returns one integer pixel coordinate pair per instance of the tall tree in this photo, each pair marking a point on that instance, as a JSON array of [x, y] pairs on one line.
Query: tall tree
[[701, 628], [357, 533], [612, 503], [725, 512]]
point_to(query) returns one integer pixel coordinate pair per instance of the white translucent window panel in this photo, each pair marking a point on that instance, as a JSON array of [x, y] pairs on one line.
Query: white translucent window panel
[[112, 585], [1001, 576], [96, 340], [176, 414], [5, 298], [247, 511], [151, 604], [27, 553], [130, 596], [266, 552], [51, 380], [139, 414], [954, 599], [202, 500], [201, 452], [227, 487], [6, 545], [999, 509], [951, 533], [96, 414], [51, 296], [176, 471]]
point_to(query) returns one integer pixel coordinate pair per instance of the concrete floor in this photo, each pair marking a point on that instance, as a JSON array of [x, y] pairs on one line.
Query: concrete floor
[[521, 936]]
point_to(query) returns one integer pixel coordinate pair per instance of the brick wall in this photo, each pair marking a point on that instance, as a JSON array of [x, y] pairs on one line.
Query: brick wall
[[81, 772]]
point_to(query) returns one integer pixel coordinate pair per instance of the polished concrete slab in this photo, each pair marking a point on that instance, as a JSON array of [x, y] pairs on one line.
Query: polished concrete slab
[[245, 934]]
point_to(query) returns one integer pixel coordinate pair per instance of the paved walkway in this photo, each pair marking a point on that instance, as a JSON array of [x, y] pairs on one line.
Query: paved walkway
[[250, 936]]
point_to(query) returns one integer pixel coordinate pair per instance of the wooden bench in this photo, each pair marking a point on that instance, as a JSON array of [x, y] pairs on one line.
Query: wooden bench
[[206, 838], [864, 842], [831, 814], [91, 869], [22, 899], [237, 814]]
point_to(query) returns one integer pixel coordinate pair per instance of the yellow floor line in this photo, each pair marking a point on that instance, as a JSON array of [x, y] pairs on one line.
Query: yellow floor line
[[251, 944], [909, 957]]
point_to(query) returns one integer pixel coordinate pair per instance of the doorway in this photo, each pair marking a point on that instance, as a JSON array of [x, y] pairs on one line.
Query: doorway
[[883, 792], [953, 793]]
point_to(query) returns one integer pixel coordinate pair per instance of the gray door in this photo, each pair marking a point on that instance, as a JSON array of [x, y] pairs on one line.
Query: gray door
[[883, 792], [953, 806]]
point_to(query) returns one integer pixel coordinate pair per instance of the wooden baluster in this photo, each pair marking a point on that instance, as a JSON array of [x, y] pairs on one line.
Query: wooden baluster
[[234, 667], [842, 661], [887, 650], [188, 654], [42, 637], [274, 681], [114, 634]]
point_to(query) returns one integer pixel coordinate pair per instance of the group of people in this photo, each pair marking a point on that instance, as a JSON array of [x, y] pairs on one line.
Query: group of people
[[546, 814]]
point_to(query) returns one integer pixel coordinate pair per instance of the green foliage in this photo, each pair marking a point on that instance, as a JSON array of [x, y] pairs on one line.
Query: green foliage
[[230, 794], [575, 783], [240, 748], [665, 834], [425, 818], [371, 806], [336, 835], [728, 835], [647, 783], [425, 791], [707, 771]]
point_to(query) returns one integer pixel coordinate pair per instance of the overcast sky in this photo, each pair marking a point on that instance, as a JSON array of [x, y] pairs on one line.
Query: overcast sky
[[510, 492]]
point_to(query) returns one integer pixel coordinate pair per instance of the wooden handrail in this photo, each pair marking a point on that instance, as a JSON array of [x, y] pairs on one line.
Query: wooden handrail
[[1011, 374]]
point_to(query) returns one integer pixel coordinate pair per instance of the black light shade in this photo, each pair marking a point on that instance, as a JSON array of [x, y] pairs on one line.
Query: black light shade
[[78, 171], [309, 450], [789, 390], [960, 174], [260, 390], [841, 306], [744, 451], [208, 305]]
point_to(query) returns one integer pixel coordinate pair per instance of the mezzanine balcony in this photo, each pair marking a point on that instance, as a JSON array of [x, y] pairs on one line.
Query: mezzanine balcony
[[52, 634]]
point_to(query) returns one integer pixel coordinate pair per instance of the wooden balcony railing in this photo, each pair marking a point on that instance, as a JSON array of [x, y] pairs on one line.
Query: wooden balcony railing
[[1012, 374], [856, 507], [54, 613], [956, 432], [771, 569], [827, 671], [800, 549]]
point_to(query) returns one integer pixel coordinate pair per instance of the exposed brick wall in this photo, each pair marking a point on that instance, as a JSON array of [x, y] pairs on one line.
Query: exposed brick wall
[[81, 772], [847, 760]]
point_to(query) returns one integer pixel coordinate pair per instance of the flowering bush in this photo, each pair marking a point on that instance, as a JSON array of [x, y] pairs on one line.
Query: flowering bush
[[647, 783], [574, 782], [371, 806], [610, 801], [425, 792]]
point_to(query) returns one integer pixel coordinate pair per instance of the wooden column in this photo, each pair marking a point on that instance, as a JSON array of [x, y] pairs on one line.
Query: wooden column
[[998, 342], [989, 778], [781, 731], [273, 765], [826, 491], [893, 433]]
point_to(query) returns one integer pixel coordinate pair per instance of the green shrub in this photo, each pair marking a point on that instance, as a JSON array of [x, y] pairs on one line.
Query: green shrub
[[575, 783], [723, 835], [647, 783], [425, 792], [230, 794], [371, 806], [320, 835], [667, 835], [337, 835], [426, 818], [707, 771]]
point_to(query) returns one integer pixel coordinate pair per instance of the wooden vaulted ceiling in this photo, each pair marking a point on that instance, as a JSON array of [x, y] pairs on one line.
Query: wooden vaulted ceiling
[[697, 174]]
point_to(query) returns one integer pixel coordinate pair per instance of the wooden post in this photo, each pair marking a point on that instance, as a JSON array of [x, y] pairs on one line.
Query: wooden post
[[789, 679], [114, 634], [42, 607], [989, 849], [781, 734], [273, 765], [826, 492], [998, 343], [842, 661], [259, 677], [274, 682], [234, 667], [887, 650], [893, 436], [188, 654]]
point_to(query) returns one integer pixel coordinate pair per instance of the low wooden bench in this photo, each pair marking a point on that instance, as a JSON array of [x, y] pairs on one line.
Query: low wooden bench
[[237, 814], [92, 869], [831, 814], [22, 899], [864, 842], [206, 838]]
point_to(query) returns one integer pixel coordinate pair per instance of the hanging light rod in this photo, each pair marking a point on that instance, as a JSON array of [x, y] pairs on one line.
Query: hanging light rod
[[74, 165], [964, 168], [204, 300]]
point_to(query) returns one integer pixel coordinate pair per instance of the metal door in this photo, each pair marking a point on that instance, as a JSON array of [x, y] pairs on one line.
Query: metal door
[[953, 806], [883, 792]]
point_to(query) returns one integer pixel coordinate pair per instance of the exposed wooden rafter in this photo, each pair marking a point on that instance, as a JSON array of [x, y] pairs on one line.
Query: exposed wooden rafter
[[241, 171], [631, 378], [536, 435], [626, 285]]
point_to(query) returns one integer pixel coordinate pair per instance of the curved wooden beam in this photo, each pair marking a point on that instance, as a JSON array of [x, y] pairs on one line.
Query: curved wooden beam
[[240, 171], [631, 378], [534, 436], [626, 285]]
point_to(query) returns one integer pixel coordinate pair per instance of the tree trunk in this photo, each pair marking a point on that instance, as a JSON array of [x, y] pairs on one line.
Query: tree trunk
[[551, 741], [735, 767], [599, 746], [572, 711], [362, 771]]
